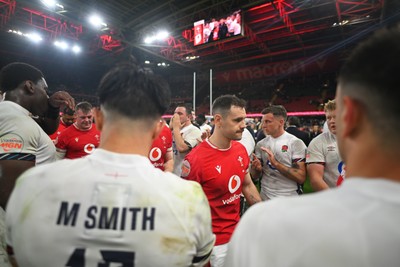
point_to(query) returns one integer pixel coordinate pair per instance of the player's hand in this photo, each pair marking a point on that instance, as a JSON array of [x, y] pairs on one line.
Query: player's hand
[[256, 163], [61, 99], [271, 156], [175, 122]]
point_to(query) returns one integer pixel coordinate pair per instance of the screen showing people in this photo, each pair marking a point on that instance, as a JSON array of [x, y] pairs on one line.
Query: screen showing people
[[206, 31]]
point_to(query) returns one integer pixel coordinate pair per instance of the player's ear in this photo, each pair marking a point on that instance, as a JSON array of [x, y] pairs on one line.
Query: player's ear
[[29, 87], [352, 116], [217, 119], [98, 118]]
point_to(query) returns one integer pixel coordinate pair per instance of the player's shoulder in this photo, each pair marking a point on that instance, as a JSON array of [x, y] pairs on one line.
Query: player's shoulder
[[176, 184], [51, 172]]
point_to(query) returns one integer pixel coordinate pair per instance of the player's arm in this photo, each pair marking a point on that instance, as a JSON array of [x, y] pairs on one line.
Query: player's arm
[[169, 160], [315, 171], [12, 165], [256, 167], [296, 172], [11, 257], [181, 144], [250, 191], [49, 123]]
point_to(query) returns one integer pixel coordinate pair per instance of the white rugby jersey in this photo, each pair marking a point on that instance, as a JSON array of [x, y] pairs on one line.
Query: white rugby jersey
[[287, 148], [356, 224], [107, 209], [21, 136], [323, 149], [191, 134]]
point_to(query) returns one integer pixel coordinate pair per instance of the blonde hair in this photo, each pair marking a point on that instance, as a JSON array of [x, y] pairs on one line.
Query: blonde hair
[[330, 106]]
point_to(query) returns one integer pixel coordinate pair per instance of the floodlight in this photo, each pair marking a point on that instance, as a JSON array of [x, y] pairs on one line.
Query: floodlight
[[96, 21], [162, 35], [146, 62], [76, 49], [49, 3], [34, 37], [61, 44]]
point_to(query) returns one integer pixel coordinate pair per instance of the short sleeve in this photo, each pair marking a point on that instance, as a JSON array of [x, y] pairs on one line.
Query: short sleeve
[[192, 137], [298, 150], [315, 152]]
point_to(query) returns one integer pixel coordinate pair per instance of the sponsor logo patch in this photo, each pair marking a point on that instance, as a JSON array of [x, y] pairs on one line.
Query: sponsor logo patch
[[11, 143], [185, 169]]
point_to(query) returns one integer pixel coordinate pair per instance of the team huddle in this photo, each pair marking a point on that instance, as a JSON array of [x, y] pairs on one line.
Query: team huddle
[[115, 185]]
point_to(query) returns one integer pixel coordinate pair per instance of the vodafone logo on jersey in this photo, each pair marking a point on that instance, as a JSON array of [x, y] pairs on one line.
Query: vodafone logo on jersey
[[155, 154], [234, 183], [89, 148], [11, 143]]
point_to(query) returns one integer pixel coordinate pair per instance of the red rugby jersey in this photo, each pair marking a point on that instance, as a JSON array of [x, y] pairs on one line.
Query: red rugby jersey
[[221, 173], [160, 147], [77, 143]]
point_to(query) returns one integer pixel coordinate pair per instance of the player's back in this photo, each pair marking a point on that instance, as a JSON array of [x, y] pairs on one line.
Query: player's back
[[107, 208]]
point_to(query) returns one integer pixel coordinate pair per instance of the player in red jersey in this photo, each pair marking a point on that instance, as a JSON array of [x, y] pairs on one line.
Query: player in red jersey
[[220, 164], [67, 119], [80, 139], [161, 155]]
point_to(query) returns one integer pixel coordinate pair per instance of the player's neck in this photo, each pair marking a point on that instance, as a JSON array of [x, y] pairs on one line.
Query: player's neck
[[371, 161], [220, 141], [278, 133], [125, 141]]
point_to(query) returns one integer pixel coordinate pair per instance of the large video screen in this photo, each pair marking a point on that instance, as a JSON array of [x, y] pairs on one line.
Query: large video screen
[[211, 30]]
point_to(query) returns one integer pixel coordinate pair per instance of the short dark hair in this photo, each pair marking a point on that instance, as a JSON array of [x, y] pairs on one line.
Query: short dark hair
[[294, 120], [276, 110], [133, 92], [84, 106], [13, 74], [188, 108], [223, 104], [371, 76], [68, 111]]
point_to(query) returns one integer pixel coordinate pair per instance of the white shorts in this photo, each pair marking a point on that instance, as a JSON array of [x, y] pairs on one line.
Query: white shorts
[[218, 255]]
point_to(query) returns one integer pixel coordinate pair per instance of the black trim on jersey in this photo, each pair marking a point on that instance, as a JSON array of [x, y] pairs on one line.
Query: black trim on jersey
[[320, 163], [299, 160], [198, 259], [18, 156], [189, 145]]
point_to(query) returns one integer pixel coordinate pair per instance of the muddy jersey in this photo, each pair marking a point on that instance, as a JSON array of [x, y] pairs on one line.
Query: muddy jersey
[[221, 174], [103, 210]]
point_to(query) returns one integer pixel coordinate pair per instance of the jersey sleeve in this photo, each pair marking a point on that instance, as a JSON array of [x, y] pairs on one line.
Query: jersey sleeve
[[168, 141], [315, 152], [192, 137], [190, 168], [258, 151], [298, 150]]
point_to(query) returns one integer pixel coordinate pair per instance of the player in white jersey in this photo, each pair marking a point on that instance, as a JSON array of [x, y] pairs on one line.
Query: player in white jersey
[[279, 157], [356, 224], [185, 135], [323, 158], [112, 207], [23, 143]]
